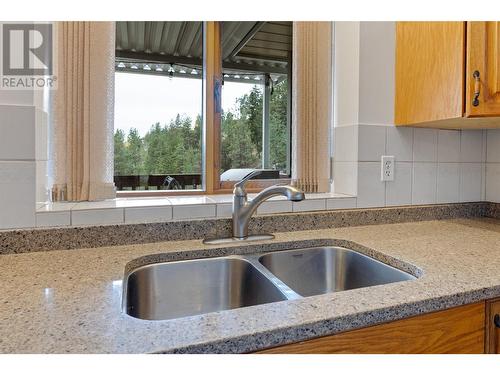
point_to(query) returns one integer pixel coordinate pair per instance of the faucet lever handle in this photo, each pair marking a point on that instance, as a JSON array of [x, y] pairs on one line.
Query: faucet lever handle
[[241, 184]]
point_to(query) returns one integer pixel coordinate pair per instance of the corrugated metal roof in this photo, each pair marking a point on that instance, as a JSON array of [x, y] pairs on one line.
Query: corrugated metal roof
[[246, 46]]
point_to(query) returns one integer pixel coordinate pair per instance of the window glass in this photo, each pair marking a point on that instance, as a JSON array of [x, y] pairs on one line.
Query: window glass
[[158, 105], [255, 129]]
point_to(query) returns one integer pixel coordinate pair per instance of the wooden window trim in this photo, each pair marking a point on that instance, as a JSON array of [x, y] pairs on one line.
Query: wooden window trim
[[211, 151]]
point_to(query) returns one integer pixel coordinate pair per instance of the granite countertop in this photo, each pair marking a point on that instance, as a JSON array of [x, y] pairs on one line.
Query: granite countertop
[[70, 300]]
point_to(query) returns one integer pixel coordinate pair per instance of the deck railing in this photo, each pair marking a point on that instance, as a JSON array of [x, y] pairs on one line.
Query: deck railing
[[158, 182]]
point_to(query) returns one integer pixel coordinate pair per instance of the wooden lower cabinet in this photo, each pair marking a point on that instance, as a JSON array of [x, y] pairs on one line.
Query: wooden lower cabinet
[[492, 344], [458, 330]]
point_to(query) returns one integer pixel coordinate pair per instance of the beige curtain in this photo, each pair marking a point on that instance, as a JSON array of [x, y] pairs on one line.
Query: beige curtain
[[311, 103], [83, 111]]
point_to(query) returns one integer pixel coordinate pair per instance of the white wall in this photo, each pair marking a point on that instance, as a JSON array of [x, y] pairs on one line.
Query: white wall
[[432, 166], [23, 156]]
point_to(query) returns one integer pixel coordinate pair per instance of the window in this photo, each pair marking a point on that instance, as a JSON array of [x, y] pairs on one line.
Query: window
[[158, 105], [255, 129], [162, 142]]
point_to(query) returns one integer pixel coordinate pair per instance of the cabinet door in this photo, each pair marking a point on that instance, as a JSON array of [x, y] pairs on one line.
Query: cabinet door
[[483, 69], [459, 330], [429, 71], [493, 327]]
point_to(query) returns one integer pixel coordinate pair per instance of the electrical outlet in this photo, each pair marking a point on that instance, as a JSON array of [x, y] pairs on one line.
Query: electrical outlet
[[387, 168]]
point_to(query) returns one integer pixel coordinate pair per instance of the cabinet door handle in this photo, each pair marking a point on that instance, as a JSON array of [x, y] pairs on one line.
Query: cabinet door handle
[[477, 88]]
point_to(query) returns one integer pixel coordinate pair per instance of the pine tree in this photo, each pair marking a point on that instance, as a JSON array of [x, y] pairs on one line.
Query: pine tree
[[135, 153], [120, 161]]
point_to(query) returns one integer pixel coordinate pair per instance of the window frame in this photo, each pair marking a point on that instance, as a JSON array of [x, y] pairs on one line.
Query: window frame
[[212, 81]]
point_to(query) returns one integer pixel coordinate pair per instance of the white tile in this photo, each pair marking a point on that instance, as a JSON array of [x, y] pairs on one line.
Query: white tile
[[484, 144], [398, 192], [493, 182], [277, 206], [97, 217], [470, 182], [425, 144], [53, 219], [148, 214], [345, 177], [400, 143], [371, 142], [222, 198], [56, 206], [424, 183], [41, 135], [340, 203], [224, 209], [483, 180], [139, 202], [371, 190], [449, 146], [190, 200], [327, 195], [309, 205], [493, 146], [17, 194], [42, 175], [17, 129], [448, 181], [346, 143], [194, 211], [471, 146], [105, 204]]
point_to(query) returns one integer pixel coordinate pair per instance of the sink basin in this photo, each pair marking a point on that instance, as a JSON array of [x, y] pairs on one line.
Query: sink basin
[[322, 270], [191, 287]]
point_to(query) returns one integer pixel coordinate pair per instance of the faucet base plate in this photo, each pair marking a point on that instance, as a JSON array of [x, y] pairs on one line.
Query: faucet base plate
[[254, 237]]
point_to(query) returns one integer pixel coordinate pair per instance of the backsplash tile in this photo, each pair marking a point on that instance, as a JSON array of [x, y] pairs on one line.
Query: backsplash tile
[[448, 181], [471, 146], [398, 192], [339, 204], [53, 219], [424, 183], [309, 205], [98, 216], [448, 146], [371, 190], [148, 214], [425, 144], [400, 143], [470, 182], [193, 211], [493, 146], [371, 142], [493, 182]]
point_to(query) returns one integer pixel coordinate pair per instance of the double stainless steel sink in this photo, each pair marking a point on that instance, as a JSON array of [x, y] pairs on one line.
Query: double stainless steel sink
[[192, 287]]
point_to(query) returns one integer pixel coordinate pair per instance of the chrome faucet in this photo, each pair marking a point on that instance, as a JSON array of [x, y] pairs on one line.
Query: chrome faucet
[[243, 209]]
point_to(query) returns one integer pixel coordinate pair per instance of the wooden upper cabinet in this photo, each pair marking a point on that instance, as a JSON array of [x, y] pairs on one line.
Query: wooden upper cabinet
[[483, 58], [436, 83], [429, 71]]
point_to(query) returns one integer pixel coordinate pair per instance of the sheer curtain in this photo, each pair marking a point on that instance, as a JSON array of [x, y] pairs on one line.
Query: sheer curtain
[[83, 111], [312, 104]]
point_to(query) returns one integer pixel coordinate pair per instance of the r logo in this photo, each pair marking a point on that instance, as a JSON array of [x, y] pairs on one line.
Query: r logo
[[27, 49]]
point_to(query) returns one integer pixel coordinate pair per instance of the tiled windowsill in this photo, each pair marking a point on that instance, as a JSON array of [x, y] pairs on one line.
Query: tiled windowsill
[[149, 210]]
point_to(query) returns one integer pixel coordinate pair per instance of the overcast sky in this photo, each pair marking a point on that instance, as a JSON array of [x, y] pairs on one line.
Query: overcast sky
[[142, 100]]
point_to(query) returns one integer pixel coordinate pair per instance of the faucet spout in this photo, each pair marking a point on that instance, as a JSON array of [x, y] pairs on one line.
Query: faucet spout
[[244, 209]]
